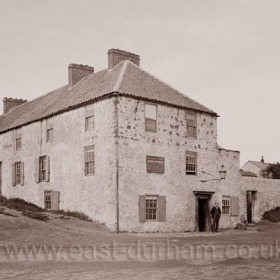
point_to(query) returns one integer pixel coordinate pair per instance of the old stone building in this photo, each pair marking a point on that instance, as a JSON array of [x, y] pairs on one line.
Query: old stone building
[[123, 147]]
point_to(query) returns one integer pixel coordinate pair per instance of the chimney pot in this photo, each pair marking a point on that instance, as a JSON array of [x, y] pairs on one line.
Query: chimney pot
[[10, 103], [262, 160], [115, 56], [78, 71]]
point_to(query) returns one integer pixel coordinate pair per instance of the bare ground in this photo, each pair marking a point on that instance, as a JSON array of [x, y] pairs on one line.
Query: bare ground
[[84, 250]]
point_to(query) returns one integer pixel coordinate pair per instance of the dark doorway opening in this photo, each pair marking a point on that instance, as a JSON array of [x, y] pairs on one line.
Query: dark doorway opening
[[202, 214], [250, 197], [249, 206]]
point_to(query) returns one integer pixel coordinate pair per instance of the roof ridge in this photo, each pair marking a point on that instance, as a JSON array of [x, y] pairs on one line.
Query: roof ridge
[[171, 87], [117, 86]]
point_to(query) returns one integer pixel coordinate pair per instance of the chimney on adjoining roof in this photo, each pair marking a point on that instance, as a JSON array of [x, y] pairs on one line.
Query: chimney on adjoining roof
[[115, 56], [78, 71], [10, 103], [262, 160]]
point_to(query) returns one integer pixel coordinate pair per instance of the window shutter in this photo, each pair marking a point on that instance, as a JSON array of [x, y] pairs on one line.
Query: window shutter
[[47, 168], [13, 174], [162, 208], [55, 200], [22, 173], [234, 205], [142, 208], [37, 170]]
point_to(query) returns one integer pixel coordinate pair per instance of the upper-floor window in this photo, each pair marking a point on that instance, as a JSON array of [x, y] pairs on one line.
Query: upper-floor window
[[49, 134], [152, 208], [89, 122], [150, 118], [49, 130], [89, 118], [17, 174], [89, 160], [225, 205], [191, 125], [42, 166], [191, 163], [18, 143]]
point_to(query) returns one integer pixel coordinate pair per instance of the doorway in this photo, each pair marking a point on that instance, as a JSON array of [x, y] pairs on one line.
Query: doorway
[[202, 211], [202, 214], [250, 198]]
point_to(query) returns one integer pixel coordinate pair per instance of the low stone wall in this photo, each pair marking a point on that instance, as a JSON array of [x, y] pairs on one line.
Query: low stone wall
[[266, 195]]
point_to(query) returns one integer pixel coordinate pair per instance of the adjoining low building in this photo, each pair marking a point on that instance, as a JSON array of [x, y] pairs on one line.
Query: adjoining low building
[[256, 167], [123, 147]]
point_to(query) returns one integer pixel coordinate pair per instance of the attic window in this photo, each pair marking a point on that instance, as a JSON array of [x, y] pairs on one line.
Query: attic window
[[150, 118]]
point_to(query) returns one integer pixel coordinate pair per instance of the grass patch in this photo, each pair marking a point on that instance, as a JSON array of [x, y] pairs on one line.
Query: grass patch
[[74, 214], [272, 215], [35, 215], [19, 204]]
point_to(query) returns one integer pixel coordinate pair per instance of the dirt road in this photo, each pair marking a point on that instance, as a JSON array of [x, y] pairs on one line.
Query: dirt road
[[79, 250]]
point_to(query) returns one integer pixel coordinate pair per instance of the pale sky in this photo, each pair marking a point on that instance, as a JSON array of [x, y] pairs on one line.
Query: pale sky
[[224, 54]]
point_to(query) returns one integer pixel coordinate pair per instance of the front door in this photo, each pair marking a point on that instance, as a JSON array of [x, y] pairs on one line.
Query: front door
[[202, 214]]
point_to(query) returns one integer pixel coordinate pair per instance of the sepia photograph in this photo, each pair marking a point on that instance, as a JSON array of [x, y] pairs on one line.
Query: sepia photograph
[[138, 139]]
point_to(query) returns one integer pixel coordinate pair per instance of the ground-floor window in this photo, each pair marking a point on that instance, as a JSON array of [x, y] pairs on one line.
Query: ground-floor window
[[226, 205], [17, 174], [48, 200], [52, 200], [152, 208]]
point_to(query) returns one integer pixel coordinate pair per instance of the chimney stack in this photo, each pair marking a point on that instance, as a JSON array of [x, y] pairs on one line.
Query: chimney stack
[[10, 103], [115, 56], [262, 160], [78, 71]]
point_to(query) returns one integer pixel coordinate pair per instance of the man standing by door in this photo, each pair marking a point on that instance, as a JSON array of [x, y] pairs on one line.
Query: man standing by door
[[215, 214]]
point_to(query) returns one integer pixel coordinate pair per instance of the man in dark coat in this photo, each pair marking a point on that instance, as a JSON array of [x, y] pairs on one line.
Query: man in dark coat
[[216, 214]]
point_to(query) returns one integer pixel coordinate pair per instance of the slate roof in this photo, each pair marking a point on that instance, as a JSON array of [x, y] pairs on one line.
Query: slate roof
[[125, 78], [263, 166], [247, 173]]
